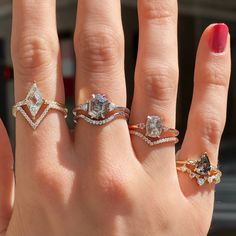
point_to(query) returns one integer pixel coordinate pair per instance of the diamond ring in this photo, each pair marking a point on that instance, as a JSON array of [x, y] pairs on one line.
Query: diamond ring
[[99, 111], [34, 107], [153, 132], [201, 170]]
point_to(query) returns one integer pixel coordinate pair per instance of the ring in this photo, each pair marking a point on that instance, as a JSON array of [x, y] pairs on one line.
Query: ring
[[154, 131], [201, 170], [34, 107], [99, 111]]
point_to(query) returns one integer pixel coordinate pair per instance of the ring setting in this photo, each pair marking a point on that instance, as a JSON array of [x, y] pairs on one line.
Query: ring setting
[[34, 107], [201, 170], [99, 111], [153, 132]]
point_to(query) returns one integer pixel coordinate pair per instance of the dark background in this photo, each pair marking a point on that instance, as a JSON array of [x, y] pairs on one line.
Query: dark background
[[195, 16]]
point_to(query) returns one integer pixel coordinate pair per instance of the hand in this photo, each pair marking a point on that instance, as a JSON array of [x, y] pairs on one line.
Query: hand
[[99, 181]]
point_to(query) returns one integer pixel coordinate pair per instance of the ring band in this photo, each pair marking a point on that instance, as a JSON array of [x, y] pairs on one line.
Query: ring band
[[201, 170], [100, 111], [34, 107], [153, 132], [154, 128]]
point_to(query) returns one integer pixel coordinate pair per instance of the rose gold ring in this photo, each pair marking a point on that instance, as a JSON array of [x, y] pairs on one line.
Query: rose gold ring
[[100, 111], [34, 107], [153, 132], [201, 170]]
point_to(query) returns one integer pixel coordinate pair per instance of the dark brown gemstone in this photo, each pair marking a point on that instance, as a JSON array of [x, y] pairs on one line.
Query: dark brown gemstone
[[204, 165]]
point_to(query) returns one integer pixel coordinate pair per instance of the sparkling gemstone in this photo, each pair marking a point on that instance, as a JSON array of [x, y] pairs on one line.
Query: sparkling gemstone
[[201, 181], [99, 106], [154, 126], [210, 179], [184, 168], [192, 175], [218, 178], [204, 165], [34, 100]]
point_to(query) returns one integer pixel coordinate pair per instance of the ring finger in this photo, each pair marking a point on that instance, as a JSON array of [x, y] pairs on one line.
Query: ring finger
[[156, 78]]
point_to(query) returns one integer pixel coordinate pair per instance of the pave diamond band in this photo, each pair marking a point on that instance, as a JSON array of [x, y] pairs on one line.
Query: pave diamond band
[[155, 142], [153, 132], [100, 111], [104, 121], [34, 107], [200, 170]]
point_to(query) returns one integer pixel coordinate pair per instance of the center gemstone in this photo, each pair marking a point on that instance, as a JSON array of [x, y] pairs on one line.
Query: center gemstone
[[154, 126], [34, 100], [204, 165], [99, 106]]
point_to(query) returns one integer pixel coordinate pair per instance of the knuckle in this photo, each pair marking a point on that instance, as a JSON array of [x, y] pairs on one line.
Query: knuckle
[[33, 53], [214, 76], [111, 187], [158, 11], [159, 83], [98, 50], [211, 127], [51, 187]]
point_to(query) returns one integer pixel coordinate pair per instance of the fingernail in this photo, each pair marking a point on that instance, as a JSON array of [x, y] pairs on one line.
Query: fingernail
[[219, 38]]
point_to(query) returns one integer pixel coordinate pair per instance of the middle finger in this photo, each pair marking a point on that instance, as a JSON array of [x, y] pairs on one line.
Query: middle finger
[[99, 46]]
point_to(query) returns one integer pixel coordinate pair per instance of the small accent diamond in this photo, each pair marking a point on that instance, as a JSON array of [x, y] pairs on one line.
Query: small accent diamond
[[184, 168], [218, 178], [192, 175], [210, 179], [201, 181]]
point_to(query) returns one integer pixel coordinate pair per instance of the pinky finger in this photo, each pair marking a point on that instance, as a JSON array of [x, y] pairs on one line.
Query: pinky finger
[[6, 180], [208, 110]]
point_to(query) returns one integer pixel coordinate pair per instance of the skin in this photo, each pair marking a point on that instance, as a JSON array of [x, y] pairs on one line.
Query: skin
[[99, 180]]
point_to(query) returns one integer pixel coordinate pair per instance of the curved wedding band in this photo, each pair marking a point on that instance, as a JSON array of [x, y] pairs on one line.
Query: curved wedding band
[[34, 107], [201, 170], [153, 132], [100, 111]]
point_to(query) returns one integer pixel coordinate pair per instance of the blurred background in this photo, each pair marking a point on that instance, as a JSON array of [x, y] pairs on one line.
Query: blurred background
[[194, 16]]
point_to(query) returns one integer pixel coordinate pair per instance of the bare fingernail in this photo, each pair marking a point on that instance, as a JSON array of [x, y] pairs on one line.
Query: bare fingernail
[[219, 38]]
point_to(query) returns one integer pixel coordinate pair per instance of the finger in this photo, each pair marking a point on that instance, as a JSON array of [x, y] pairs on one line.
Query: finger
[[208, 110], [6, 179], [36, 57], [99, 45], [156, 78]]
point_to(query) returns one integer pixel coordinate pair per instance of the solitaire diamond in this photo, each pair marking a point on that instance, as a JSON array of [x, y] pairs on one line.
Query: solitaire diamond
[[99, 106], [34, 100], [203, 166], [154, 127]]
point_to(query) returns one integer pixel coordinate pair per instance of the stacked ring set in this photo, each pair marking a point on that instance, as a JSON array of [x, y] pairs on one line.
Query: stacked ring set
[[100, 111]]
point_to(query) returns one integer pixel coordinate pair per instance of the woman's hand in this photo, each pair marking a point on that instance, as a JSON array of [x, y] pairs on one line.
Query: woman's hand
[[98, 180]]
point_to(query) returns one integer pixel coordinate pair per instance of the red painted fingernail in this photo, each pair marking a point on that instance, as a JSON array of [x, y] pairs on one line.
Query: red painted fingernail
[[219, 38]]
